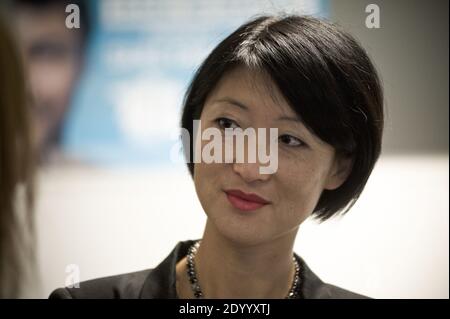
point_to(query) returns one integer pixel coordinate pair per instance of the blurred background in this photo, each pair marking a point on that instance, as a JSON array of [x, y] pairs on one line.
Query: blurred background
[[106, 101]]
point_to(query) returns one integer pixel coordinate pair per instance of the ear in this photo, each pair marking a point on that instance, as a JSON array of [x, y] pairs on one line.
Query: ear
[[340, 170]]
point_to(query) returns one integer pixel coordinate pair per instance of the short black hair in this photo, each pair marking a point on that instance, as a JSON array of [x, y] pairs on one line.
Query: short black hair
[[326, 77], [83, 5]]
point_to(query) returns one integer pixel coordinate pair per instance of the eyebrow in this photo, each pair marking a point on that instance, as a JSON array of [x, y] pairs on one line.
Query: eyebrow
[[242, 106]]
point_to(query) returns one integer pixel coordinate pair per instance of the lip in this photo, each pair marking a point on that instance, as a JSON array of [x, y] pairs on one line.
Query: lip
[[245, 201]]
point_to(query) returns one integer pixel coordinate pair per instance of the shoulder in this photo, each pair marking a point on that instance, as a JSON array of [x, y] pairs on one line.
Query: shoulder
[[158, 282], [334, 292], [314, 288], [120, 286]]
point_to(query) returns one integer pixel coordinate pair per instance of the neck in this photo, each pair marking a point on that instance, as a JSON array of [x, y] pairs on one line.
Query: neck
[[226, 269]]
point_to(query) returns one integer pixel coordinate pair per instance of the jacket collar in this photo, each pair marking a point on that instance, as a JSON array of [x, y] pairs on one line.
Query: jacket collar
[[161, 282]]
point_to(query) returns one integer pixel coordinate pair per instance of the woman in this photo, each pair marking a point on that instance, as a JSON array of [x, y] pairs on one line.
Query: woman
[[16, 222], [315, 84]]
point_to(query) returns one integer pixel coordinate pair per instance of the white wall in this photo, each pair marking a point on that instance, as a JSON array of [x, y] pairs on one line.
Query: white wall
[[394, 243]]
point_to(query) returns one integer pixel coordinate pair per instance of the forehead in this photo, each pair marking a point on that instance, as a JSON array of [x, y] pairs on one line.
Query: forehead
[[36, 24], [254, 89]]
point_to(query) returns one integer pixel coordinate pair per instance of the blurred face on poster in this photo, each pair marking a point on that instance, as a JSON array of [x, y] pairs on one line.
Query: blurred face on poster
[[53, 56]]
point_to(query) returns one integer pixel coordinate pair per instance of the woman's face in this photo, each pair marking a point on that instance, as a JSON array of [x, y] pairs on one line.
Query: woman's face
[[306, 165]]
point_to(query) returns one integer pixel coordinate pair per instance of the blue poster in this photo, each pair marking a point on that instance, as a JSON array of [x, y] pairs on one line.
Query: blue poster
[[141, 57]]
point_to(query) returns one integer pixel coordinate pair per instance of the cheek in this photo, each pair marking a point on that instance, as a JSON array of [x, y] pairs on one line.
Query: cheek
[[205, 174], [52, 82], [207, 183], [299, 188]]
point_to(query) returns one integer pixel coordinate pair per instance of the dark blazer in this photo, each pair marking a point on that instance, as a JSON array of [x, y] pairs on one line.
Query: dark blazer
[[159, 283]]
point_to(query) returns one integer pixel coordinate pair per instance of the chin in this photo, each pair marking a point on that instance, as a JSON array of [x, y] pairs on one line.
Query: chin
[[241, 231]]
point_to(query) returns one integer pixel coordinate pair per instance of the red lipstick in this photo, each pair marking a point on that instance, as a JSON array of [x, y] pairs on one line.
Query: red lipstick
[[245, 201]]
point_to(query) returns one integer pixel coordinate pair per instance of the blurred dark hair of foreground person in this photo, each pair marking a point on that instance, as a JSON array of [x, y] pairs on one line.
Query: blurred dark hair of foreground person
[[16, 175]]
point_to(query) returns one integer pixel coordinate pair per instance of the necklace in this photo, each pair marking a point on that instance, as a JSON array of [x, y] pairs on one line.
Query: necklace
[[192, 274]]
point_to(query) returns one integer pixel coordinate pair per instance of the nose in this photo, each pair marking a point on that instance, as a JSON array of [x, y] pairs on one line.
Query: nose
[[249, 165], [250, 172]]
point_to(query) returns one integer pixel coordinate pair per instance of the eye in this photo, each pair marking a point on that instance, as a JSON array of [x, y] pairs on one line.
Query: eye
[[224, 122], [50, 51], [291, 140]]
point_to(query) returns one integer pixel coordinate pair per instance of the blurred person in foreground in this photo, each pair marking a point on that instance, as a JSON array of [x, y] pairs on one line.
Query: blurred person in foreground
[[16, 176], [53, 56]]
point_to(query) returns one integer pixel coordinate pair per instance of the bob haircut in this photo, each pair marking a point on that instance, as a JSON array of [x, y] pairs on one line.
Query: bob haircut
[[327, 79]]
